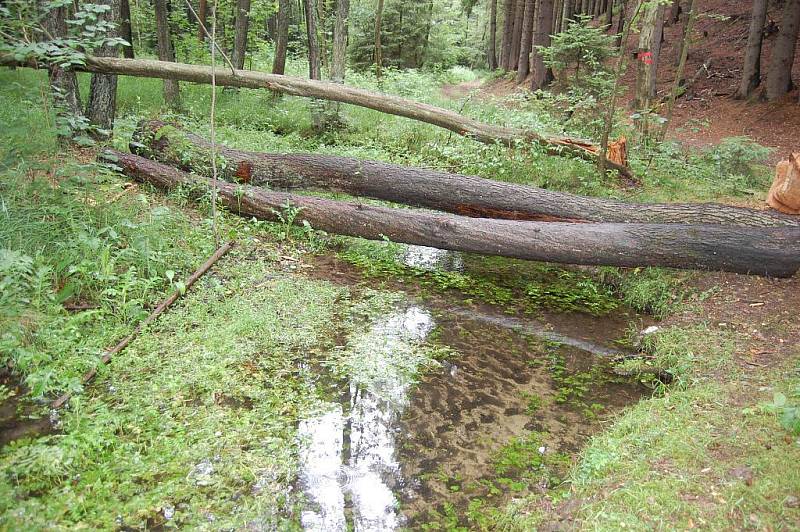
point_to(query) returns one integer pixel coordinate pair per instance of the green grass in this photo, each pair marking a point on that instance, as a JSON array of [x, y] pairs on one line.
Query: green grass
[[219, 378]]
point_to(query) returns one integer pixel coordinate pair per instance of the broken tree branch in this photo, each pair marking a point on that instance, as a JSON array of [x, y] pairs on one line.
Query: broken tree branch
[[106, 358]]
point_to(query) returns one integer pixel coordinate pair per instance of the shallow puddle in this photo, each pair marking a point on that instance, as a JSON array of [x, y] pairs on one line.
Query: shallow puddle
[[499, 418]]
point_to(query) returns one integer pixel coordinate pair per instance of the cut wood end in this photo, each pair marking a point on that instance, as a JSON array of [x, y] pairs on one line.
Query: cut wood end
[[784, 195]]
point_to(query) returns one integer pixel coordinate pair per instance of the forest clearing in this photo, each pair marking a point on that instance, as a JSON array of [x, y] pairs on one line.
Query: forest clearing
[[336, 265]]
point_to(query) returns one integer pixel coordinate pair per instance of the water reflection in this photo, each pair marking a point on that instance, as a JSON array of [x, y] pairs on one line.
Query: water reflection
[[349, 459], [432, 258]]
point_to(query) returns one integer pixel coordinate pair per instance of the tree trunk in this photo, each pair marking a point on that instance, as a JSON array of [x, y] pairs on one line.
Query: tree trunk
[[378, 50], [202, 16], [687, 39], [508, 29], [64, 83], [314, 71], [421, 187], [774, 252], [492, 44], [516, 36], [339, 62], [172, 94], [125, 28], [524, 59], [241, 23], [282, 38], [647, 56], [621, 22], [609, 13], [568, 13], [751, 71], [779, 78], [542, 75], [102, 103], [321, 36], [444, 118]]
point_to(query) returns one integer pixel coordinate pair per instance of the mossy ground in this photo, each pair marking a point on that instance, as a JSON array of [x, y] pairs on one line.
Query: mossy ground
[[195, 420]]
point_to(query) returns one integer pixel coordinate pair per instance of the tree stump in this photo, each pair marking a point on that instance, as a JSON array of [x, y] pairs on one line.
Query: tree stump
[[784, 195]]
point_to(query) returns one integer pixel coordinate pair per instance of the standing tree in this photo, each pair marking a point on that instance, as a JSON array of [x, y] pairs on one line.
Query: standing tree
[[647, 58], [609, 13], [751, 72], [378, 50], [102, 102], [542, 74], [492, 45], [281, 38], [516, 35], [687, 39], [125, 28], [568, 12], [172, 93], [314, 71], [508, 28], [64, 83], [339, 59], [241, 23], [779, 78], [524, 59], [202, 15]]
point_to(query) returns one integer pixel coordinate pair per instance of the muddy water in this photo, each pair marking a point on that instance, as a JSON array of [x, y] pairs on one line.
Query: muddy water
[[395, 454]]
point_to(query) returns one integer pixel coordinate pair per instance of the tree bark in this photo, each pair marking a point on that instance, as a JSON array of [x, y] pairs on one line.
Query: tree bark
[[492, 44], [102, 103], [241, 23], [339, 61], [516, 36], [378, 49], [508, 29], [202, 16], [773, 252], [751, 71], [524, 59], [282, 38], [609, 13], [126, 28], [542, 75], [460, 194], [568, 13], [395, 105], [172, 94], [779, 79], [647, 69], [314, 71], [64, 83]]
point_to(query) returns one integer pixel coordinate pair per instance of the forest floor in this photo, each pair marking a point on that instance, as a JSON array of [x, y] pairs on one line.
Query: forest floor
[[198, 423]]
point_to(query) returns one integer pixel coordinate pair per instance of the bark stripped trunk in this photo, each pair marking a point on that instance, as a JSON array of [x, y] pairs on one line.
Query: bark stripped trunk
[[437, 116], [126, 28], [172, 94], [460, 194], [751, 72], [542, 75], [492, 45], [779, 78], [524, 59], [241, 23], [282, 38], [102, 104], [508, 30], [774, 252]]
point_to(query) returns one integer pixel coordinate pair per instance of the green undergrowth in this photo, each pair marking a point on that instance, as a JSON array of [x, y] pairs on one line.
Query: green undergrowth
[[491, 280]]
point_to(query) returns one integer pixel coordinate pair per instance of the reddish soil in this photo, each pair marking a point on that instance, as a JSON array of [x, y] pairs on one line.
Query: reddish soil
[[708, 111]]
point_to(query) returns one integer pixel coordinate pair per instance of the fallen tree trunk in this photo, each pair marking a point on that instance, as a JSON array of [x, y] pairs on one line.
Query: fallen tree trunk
[[337, 92], [773, 251], [460, 194]]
